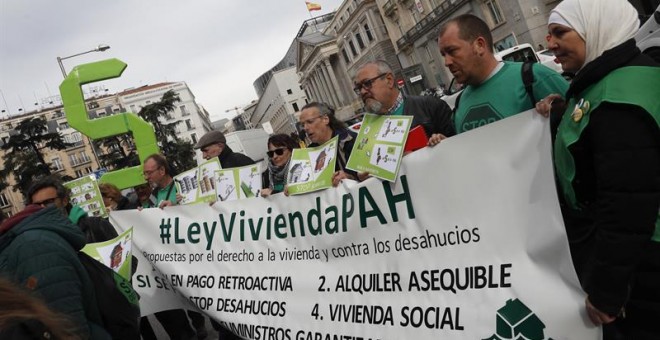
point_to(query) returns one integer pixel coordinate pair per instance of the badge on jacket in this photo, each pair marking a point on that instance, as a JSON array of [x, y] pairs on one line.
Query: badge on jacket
[[581, 109]]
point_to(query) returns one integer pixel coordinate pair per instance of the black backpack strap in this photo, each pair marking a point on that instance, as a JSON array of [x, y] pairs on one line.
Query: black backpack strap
[[527, 74], [453, 112]]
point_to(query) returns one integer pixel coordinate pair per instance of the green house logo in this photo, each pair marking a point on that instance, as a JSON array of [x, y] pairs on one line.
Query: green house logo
[[516, 321]]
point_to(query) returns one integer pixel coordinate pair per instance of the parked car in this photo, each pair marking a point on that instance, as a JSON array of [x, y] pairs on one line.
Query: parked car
[[520, 53], [451, 93], [648, 36], [432, 91], [548, 59]]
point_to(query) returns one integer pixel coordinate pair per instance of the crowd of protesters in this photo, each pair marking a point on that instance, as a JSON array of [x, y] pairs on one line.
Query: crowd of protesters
[[606, 152]]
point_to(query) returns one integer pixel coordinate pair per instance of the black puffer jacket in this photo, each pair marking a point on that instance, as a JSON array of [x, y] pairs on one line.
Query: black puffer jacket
[[38, 249], [431, 113], [230, 159], [617, 184]]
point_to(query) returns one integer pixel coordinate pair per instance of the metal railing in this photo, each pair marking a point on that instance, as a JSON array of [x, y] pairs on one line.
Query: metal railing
[[389, 7], [433, 19]]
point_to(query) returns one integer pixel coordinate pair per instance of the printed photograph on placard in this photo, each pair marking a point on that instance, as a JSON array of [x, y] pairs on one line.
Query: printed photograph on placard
[[321, 158], [238, 183], [386, 156], [393, 130], [186, 186], [311, 169], [300, 171], [250, 178], [115, 253], [225, 185], [379, 144], [85, 193], [206, 181], [198, 185]]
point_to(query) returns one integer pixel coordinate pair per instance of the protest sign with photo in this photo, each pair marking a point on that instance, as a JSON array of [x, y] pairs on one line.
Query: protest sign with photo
[[86, 194], [379, 145], [198, 184], [311, 169], [115, 253], [238, 183]]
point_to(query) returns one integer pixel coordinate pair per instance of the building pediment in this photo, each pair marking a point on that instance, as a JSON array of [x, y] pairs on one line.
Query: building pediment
[[306, 51], [309, 45]]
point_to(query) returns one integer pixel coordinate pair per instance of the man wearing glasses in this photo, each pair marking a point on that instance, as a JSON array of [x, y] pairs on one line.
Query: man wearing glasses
[[214, 144], [157, 172], [375, 84], [51, 191], [320, 125], [38, 251]]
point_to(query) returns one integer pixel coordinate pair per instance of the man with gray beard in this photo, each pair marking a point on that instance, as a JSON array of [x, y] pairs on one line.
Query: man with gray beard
[[374, 83]]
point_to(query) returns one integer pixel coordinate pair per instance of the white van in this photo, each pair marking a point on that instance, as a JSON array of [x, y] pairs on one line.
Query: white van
[[648, 36]]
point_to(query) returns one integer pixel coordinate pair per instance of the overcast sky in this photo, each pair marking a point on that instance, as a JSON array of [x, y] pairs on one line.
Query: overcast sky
[[218, 47]]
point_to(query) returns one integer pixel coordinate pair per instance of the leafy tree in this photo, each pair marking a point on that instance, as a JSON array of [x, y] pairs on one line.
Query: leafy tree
[[120, 152], [24, 152], [179, 152]]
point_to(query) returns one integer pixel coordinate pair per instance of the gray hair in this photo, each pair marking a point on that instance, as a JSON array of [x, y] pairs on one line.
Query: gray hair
[[381, 65], [326, 110]]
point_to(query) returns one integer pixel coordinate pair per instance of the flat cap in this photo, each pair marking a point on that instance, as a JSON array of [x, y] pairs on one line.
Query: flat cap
[[211, 137]]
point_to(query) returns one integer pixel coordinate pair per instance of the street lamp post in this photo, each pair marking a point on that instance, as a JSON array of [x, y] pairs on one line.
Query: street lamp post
[[99, 48]]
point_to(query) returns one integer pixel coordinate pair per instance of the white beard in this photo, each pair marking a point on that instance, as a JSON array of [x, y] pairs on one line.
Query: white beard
[[373, 106]]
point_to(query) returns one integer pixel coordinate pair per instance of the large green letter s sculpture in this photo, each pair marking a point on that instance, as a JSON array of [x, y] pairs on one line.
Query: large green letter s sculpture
[[76, 114]]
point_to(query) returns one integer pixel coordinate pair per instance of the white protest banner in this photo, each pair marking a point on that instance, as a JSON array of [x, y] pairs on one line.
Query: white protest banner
[[156, 292], [467, 243]]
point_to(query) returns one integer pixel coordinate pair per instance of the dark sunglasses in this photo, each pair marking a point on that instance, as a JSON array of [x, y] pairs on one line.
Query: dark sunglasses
[[366, 83], [278, 152]]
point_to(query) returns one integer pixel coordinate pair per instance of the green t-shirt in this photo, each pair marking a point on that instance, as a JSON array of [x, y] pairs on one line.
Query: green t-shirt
[[167, 193], [504, 95]]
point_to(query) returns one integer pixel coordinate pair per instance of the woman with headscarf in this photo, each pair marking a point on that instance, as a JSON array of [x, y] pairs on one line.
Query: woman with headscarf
[[607, 160], [280, 148]]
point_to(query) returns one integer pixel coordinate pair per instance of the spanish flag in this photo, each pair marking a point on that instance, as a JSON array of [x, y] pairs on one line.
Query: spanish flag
[[312, 6]]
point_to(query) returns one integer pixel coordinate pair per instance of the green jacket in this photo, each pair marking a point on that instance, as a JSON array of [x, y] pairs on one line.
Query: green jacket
[[617, 87], [39, 252]]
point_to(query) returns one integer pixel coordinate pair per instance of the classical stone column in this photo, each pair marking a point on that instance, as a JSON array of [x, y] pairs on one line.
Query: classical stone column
[[335, 85], [315, 88], [322, 88], [328, 84], [307, 87]]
